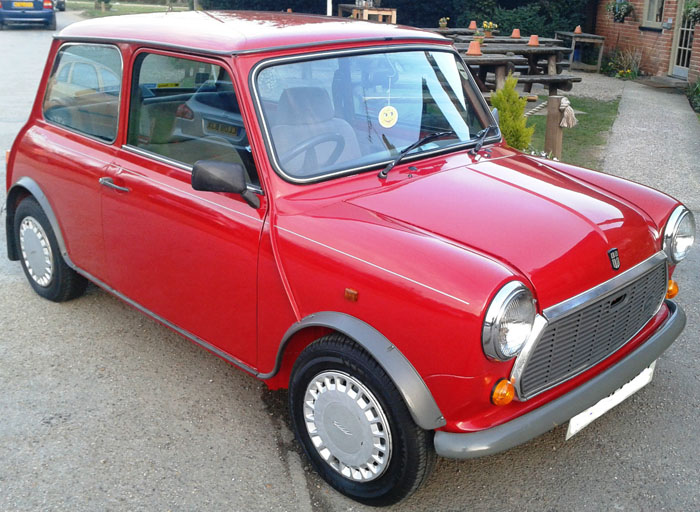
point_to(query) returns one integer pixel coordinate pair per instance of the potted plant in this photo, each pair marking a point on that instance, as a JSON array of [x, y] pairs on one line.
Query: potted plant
[[479, 36], [489, 27], [619, 10], [442, 22]]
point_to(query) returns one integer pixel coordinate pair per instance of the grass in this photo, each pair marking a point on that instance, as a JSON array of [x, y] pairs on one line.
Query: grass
[[117, 8], [584, 144]]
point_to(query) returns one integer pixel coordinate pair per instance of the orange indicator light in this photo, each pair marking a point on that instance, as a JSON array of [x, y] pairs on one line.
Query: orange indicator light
[[351, 295], [503, 392], [672, 289]]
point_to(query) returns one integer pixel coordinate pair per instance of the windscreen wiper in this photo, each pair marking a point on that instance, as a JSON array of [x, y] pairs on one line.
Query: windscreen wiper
[[481, 136], [428, 138]]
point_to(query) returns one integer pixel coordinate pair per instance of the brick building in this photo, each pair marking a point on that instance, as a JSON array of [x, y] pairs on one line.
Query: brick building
[[655, 28]]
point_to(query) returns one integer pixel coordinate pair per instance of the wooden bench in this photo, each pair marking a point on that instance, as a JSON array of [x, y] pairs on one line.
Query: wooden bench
[[542, 64], [554, 82], [487, 97]]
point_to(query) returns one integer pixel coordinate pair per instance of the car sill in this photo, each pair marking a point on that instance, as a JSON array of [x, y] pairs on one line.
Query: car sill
[[211, 348]]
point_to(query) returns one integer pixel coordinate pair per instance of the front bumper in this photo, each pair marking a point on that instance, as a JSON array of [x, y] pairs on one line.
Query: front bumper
[[561, 410]]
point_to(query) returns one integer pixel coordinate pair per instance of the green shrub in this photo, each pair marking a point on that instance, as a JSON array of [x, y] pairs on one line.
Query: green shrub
[[693, 93], [511, 110], [542, 17]]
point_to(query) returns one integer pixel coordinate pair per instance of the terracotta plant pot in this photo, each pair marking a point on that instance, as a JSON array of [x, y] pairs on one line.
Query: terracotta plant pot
[[488, 33], [534, 40], [474, 49], [479, 39], [578, 30], [516, 33], [472, 25]]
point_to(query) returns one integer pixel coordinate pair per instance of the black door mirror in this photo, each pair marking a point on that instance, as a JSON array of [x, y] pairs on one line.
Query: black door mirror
[[213, 176]]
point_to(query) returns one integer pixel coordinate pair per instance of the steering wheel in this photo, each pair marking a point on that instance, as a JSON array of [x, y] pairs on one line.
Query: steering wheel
[[308, 145]]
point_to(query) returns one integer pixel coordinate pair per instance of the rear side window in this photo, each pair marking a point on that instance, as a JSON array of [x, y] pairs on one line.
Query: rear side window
[[83, 91], [186, 110]]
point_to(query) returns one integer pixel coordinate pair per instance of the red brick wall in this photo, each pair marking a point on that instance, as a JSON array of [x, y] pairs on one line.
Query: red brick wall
[[655, 46]]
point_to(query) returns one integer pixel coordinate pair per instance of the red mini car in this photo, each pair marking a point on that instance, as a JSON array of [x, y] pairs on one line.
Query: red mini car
[[329, 206]]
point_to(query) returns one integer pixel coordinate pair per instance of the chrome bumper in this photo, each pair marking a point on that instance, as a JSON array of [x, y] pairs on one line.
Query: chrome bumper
[[559, 411]]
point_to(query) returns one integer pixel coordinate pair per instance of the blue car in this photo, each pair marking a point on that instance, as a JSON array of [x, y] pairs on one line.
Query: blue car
[[28, 11]]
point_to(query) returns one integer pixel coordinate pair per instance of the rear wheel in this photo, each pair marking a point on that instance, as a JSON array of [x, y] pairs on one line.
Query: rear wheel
[[40, 255], [354, 425]]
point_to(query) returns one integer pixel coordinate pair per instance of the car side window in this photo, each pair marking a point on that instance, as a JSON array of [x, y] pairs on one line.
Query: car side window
[[186, 110], [75, 96]]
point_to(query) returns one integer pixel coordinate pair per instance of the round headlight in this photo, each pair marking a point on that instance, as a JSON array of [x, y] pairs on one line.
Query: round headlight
[[679, 234], [508, 321]]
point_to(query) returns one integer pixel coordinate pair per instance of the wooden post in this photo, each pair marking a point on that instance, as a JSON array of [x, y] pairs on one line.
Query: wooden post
[[554, 133], [500, 73]]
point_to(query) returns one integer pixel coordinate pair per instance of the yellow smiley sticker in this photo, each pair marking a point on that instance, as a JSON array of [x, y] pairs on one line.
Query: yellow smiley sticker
[[388, 116]]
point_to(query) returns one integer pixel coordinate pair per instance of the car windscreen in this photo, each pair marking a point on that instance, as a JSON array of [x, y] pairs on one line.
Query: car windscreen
[[336, 115]]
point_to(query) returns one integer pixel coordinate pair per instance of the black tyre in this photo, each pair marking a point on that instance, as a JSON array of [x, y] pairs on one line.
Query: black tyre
[[40, 255], [354, 425]]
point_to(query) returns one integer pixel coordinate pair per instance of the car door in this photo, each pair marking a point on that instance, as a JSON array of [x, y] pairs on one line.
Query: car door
[[72, 149], [187, 257]]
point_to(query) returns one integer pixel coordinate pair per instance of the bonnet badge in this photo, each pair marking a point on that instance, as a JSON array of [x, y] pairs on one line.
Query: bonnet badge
[[614, 256]]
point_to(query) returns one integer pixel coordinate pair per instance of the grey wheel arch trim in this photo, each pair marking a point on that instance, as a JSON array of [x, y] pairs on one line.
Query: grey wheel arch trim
[[34, 189], [408, 381]]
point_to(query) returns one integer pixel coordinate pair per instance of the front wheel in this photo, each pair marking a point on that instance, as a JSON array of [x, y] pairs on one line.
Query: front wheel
[[40, 255], [354, 425]]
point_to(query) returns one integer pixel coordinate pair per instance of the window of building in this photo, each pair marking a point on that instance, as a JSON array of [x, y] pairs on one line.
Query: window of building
[[83, 91], [186, 110], [653, 13]]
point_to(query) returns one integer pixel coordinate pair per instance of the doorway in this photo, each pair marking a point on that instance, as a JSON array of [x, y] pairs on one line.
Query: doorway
[[682, 44]]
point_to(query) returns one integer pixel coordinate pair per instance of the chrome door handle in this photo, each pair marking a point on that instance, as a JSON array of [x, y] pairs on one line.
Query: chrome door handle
[[108, 182]]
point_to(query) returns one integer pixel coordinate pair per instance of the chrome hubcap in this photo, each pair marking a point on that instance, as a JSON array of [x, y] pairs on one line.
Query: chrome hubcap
[[36, 251], [347, 426]]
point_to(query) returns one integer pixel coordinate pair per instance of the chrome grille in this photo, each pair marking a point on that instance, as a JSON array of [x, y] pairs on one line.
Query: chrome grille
[[572, 343]]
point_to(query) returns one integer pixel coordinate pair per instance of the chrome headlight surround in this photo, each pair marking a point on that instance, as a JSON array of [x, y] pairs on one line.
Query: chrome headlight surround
[[508, 322], [679, 234]]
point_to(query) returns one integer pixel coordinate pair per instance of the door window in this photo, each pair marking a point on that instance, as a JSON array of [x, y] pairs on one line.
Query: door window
[[76, 97], [186, 110]]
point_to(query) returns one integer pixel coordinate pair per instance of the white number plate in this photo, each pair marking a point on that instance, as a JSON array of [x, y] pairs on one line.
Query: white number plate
[[578, 422]]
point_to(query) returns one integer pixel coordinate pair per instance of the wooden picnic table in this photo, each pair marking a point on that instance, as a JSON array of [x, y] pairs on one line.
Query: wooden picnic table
[[583, 38], [509, 40], [551, 78], [451, 32], [531, 53], [498, 64]]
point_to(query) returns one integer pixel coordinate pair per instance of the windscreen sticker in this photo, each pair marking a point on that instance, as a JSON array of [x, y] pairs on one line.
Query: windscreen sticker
[[388, 116], [168, 85]]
